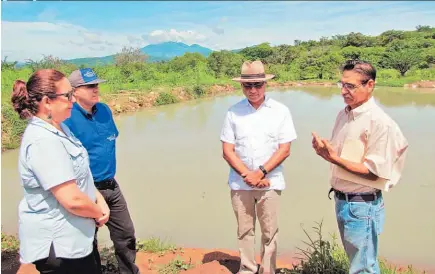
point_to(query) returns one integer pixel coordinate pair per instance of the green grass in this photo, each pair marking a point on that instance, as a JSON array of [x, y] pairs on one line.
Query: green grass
[[175, 266], [154, 245], [10, 243], [327, 257], [166, 98]]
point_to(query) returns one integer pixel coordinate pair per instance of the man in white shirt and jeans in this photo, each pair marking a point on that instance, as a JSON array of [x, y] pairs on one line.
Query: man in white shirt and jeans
[[256, 138]]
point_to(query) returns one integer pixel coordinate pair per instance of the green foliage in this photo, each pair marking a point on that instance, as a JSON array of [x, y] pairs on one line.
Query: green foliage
[[175, 266], [400, 57], [225, 63], [403, 60], [51, 62], [199, 91], [259, 52], [189, 61], [321, 257], [389, 36], [10, 243], [154, 245], [359, 40], [130, 55], [327, 257], [8, 65]]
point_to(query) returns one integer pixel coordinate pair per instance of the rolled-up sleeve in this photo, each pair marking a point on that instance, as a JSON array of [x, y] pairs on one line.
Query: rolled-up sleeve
[[287, 132], [50, 162], [383, 150], [227, 133]]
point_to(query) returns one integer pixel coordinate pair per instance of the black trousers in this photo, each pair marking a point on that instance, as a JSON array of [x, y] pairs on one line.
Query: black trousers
[[121, 230], [53, 265]]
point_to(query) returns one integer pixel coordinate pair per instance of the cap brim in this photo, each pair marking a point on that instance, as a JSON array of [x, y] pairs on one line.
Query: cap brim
[[268, 77], [96, 81]]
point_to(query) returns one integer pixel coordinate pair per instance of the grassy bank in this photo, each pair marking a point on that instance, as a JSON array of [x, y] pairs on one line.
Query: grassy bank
[[137, 88]]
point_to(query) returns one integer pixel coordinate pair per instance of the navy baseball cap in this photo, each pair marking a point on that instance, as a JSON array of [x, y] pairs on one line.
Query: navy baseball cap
[[83, 77]]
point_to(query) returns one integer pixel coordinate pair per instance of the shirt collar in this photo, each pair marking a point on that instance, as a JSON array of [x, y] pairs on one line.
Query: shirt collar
[[84, 112], [266, 103], [36, 121], [44, 124], [356, 112]]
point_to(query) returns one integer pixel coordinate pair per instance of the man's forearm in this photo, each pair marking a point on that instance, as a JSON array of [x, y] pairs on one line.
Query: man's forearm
[[234, 161], [356, 168], [277, 158]]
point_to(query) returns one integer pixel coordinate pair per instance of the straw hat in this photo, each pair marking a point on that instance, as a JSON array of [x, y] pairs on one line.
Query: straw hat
[[253, 72]]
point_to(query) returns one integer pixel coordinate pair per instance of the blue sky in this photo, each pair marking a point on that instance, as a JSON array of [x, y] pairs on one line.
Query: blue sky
[[83, 29]]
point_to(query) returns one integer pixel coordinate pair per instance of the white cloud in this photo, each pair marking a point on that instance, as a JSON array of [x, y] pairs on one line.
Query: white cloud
[[218, 30], [48, 14], [93, 38], [32, 40], [188, 36], [136, 41]]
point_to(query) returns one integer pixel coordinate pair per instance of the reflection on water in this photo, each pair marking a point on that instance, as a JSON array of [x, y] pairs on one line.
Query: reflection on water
[[174, 178]]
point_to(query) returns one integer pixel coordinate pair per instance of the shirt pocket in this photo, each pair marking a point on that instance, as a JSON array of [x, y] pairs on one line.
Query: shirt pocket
[[80, 161], [270, 137]]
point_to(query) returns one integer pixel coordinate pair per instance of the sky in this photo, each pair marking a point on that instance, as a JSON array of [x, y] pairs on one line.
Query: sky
[[68, 29]]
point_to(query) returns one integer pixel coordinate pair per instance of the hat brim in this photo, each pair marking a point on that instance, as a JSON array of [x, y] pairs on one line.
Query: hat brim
[[96, 81], [240, 79]]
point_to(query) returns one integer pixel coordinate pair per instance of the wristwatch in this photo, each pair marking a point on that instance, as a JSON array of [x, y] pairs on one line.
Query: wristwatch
[[263, 170]]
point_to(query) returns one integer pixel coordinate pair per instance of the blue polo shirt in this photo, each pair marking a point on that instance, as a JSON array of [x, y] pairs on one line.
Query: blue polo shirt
[[97, 132]]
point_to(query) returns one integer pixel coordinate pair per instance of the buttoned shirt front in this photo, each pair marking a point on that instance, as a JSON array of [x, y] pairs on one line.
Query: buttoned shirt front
[[385, 146], [256, 135], [97, 131], [48, 158]]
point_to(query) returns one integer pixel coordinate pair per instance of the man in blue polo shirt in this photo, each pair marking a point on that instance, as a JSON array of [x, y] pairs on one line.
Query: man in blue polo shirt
[[92, 123]]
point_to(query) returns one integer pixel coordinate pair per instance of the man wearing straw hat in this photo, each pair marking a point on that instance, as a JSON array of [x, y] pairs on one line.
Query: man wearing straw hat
[[256, 138]]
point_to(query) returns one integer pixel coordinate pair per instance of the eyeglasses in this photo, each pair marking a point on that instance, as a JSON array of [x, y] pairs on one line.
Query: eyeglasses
[[350, 87], [250, 85], [68, 95]]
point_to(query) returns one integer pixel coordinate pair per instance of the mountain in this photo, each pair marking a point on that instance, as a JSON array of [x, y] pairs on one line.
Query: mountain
[[156, 52], [169, 50]]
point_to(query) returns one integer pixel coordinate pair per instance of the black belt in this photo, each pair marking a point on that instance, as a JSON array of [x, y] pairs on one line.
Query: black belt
[[106, 184], [356, 197]]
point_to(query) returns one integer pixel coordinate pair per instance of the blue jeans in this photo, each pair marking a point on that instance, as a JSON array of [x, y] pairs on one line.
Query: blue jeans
[[360, 223]]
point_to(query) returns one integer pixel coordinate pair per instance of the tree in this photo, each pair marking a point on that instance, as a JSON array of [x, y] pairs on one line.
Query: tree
[[351, 52], [259, 52], [225, 63], [187, 61], [359, 40], [8, 65], [390, 35], [421, 28], [50, 62], [403, 60], [319, 63], [130, 55], [283, 54]]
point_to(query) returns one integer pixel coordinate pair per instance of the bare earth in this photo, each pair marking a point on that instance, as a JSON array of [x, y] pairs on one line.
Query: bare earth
[[205, 261]]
